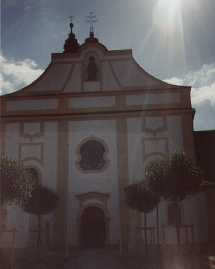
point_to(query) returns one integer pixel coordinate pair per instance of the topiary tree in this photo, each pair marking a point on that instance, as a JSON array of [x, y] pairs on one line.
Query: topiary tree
[[154, 173], [16, 184], [144, 200], [42, 201], [140, 198], [174, 178]]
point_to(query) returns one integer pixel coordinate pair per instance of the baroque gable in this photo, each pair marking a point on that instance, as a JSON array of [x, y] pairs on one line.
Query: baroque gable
[[72, 72]]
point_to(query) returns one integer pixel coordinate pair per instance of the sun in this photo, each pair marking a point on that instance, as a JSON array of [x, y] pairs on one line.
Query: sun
[[167, 15]]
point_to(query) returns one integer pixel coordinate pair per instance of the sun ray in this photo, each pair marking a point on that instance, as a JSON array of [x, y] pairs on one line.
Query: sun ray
[[167, 15]]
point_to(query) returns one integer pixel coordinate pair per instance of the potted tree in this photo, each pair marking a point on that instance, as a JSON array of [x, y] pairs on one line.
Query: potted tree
[[142, 199], [16, 186], [174, 178], [42, 201]]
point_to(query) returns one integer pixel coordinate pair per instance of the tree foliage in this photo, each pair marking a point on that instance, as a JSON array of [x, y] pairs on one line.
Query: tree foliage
[[175, 177], [16, 184], [141, 199], [172, 178], [41, 202]]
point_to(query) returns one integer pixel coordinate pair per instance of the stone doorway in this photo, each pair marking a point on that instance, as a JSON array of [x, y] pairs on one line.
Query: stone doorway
[[93, 231]]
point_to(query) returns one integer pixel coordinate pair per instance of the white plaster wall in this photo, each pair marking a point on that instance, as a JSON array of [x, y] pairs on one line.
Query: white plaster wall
[[41, 153], [109, 82], [147, 142], [194, 212], [91, 102], [135, 149], [53, 79], [50, 154], [91, 86], [153, 99], [12, 140], [175, 133], [143, 147], [104, 182], [19, 220], [74, 82], [32, 105]]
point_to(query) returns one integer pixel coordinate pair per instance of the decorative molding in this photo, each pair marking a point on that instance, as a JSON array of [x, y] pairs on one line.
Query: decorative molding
[[155, 153], [103, 197], [159, 124], [31, 158], [32, 136], [94, 199], [79, 157]]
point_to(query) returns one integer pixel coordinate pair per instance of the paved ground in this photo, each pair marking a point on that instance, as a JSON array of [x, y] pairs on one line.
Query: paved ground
[[84, 259], [95, 259], [104, 259]]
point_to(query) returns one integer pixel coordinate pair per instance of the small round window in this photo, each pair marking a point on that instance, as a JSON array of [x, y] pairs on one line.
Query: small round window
[[92, 156]]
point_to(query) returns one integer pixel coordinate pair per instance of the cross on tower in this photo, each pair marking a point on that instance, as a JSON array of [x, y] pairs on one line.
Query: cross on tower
[[91, 19], [71, 18]]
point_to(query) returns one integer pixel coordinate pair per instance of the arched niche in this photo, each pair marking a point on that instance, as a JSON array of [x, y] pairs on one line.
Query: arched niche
[[91, 72]]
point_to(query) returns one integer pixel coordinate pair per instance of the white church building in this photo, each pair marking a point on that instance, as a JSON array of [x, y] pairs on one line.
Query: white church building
[[87, 127]]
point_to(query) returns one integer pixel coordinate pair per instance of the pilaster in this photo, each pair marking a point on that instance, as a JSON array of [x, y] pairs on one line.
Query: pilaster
[[60, 225]]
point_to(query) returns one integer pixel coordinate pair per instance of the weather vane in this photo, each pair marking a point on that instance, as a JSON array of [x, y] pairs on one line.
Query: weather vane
[[91, 19]]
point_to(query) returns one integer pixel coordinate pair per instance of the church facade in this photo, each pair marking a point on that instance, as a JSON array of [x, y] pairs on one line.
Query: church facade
[[87, 127]]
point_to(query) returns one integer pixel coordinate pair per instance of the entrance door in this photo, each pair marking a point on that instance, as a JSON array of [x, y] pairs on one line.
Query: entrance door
[[93, 228]]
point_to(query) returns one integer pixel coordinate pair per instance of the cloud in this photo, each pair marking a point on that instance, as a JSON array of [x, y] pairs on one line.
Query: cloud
[[17, 74], [202, 82], [202, 95]]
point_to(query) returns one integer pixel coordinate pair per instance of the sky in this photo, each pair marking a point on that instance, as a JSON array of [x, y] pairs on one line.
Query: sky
[[173, 40]]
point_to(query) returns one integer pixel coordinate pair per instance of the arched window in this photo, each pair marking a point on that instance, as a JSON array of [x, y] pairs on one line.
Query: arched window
[[92, 155]]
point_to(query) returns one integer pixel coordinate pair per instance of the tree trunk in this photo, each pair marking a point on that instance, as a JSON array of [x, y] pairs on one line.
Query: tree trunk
[[157, 224], [145, 234], [39, 236], [178, 217]]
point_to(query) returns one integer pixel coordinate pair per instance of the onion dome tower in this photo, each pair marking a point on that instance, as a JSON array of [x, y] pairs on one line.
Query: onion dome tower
[[71, 44]]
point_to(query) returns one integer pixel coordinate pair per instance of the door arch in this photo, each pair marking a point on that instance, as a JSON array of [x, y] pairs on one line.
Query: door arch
[[93, 228]]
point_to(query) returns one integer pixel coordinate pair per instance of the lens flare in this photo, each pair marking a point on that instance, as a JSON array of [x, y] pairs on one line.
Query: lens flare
[[167, 15]]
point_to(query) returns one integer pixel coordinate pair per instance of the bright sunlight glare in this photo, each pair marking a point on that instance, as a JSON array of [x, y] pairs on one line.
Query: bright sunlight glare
[[167, 15]]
